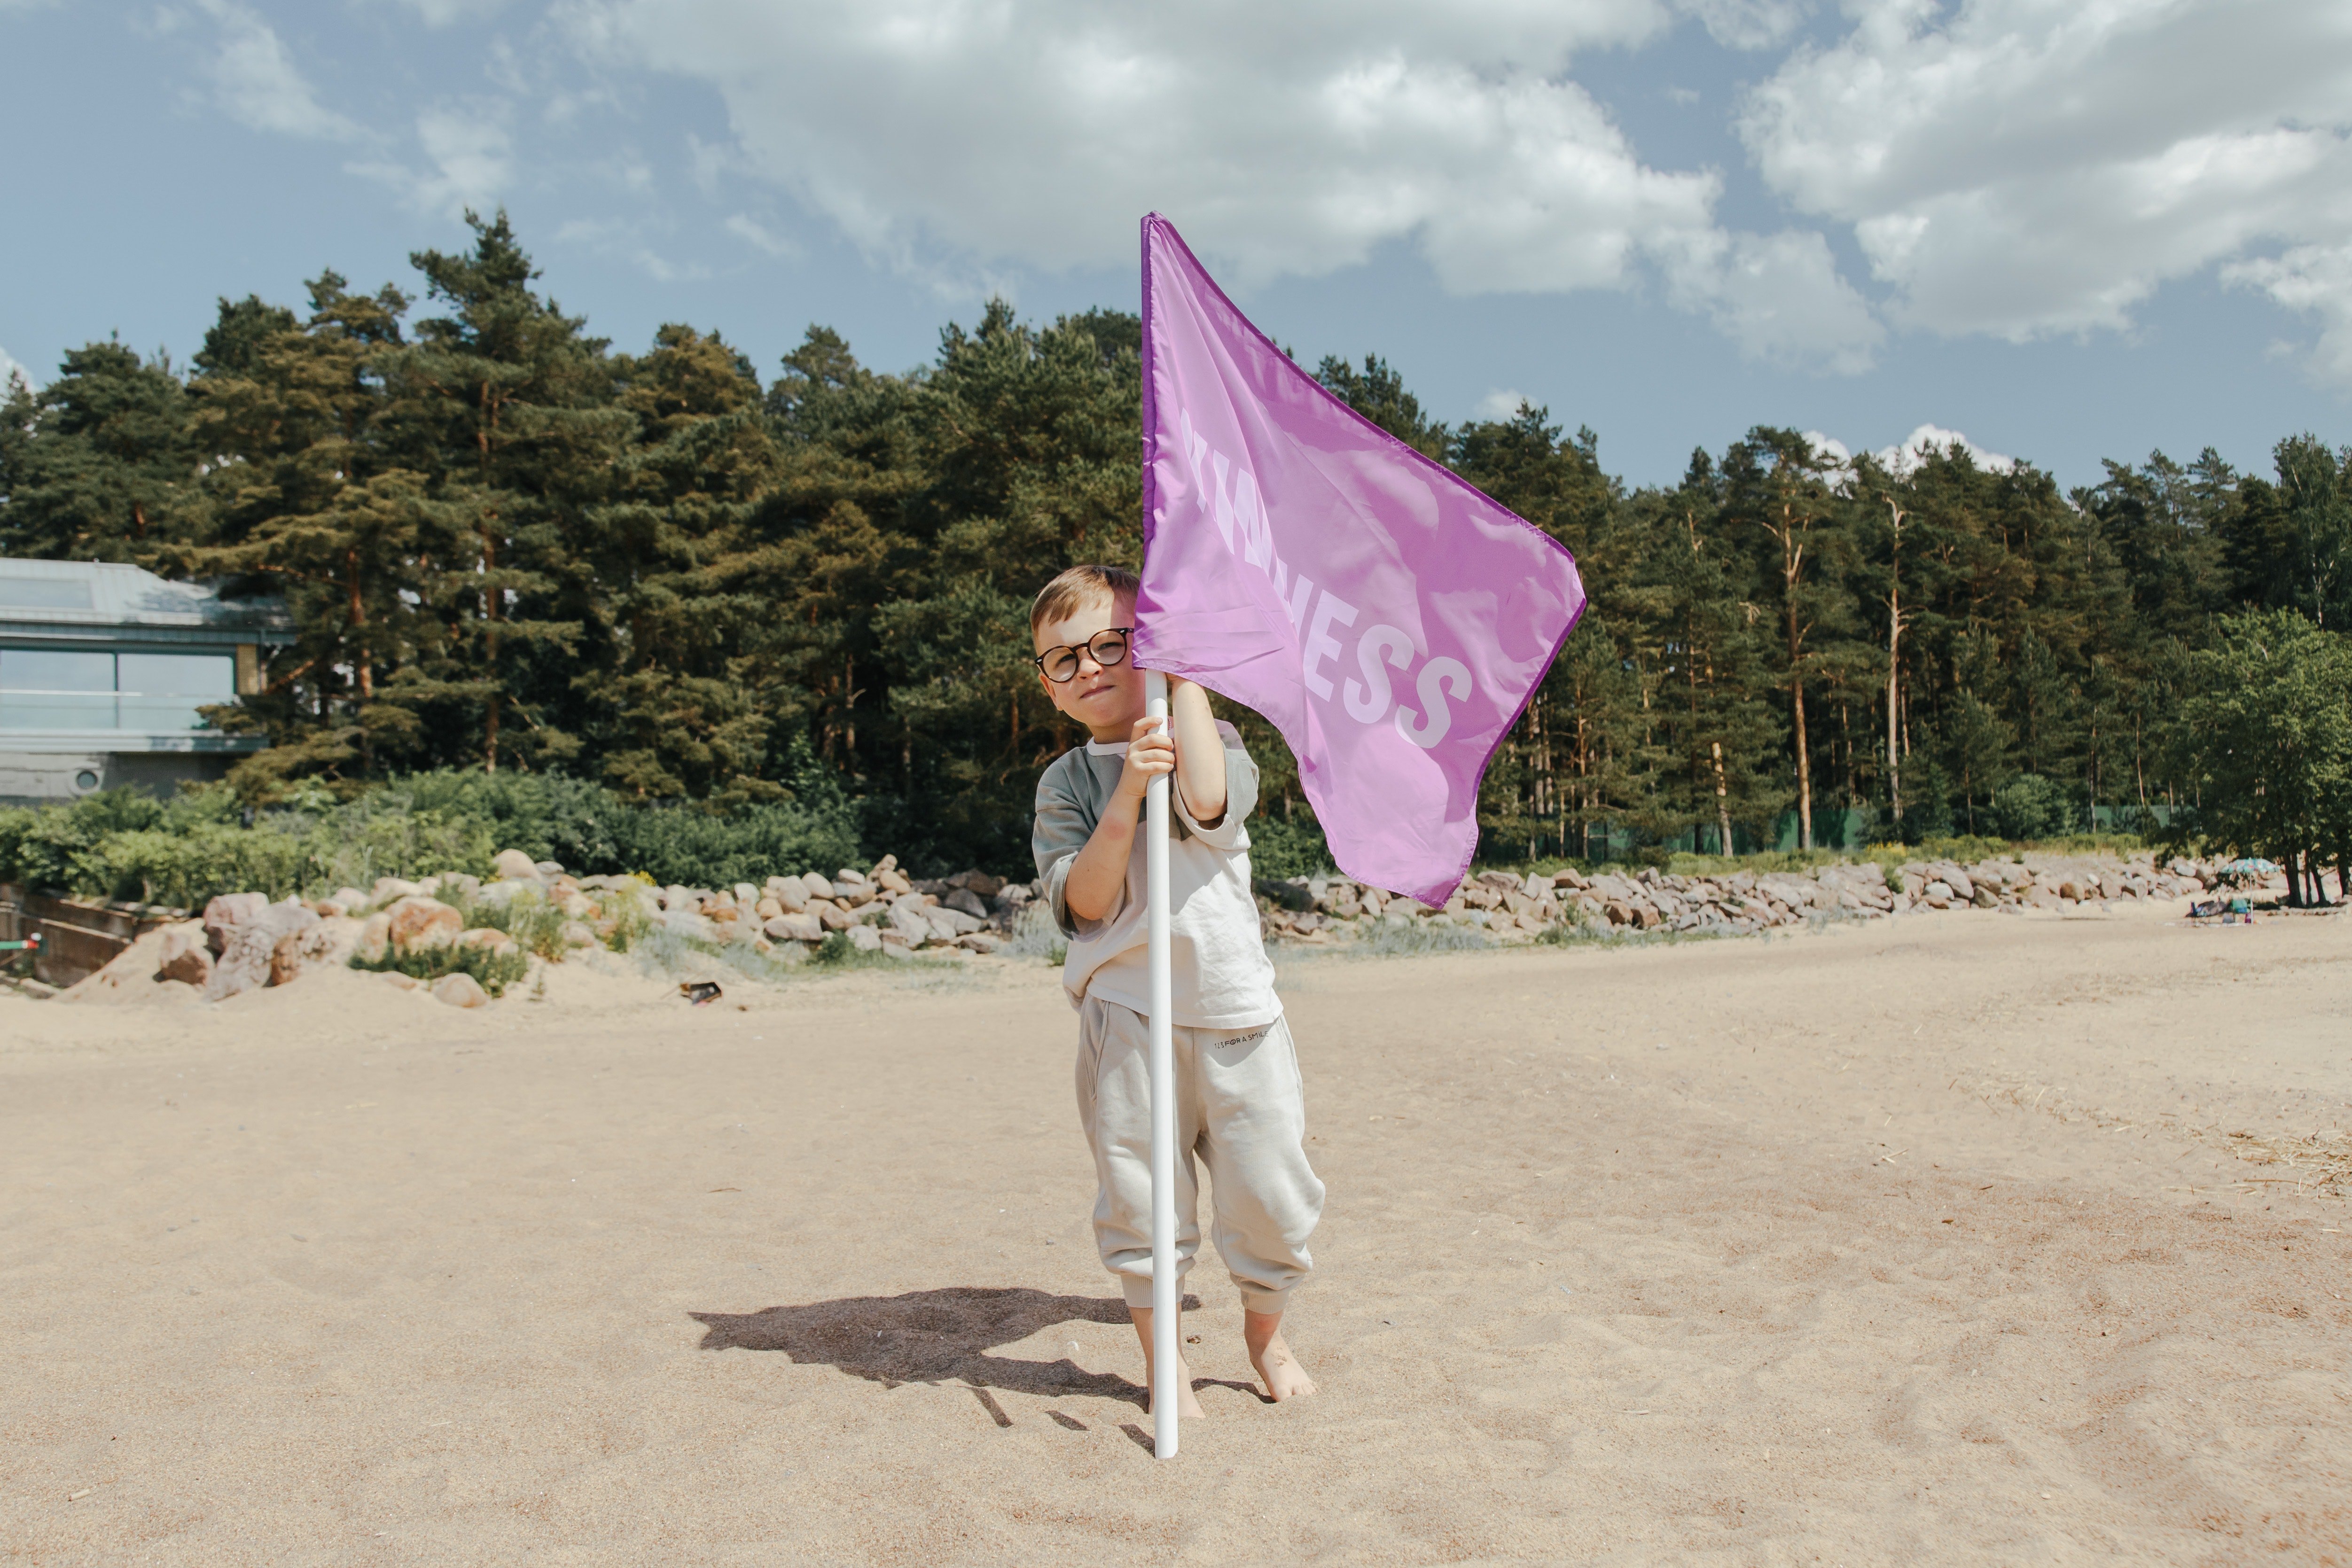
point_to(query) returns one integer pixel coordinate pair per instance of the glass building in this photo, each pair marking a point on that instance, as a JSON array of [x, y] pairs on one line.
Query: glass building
[[105, 673]]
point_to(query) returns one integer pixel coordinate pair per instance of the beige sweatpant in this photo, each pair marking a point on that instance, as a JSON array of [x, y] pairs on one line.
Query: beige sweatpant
[[1241, 1110]]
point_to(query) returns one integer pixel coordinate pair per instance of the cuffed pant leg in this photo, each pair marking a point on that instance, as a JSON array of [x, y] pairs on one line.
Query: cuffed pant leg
[[1114, 1086], [1267, 1198]]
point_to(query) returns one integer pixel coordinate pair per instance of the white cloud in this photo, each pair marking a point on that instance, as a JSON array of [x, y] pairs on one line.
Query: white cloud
[[1907, 454], [255, 82], [442, 12], [1746, 23], [1286, 140], [2026, 167], [758, 235], [1500, 404], [10, 371], [471, 159], [2315, 278]]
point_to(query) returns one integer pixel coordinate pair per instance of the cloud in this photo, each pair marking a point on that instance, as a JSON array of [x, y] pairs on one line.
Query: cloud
[[2314, 279], [1500, 404], [1746, 23], [9, 372], [945, 139], [753, 233], [1906, 455], [2026, 167], [257, 83], [470, 157]]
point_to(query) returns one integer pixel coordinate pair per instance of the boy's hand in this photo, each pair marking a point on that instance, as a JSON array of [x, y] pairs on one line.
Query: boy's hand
[[1150, 752]]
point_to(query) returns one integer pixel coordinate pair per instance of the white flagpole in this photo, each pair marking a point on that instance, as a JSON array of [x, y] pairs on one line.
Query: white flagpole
[[1165, 1356]]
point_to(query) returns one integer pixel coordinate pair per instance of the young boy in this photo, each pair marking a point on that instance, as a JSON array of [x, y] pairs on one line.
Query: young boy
[[1239, 1105]]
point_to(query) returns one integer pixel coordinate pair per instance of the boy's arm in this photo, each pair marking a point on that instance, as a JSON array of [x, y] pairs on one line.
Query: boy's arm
[[1097, 878], [1200, 753]]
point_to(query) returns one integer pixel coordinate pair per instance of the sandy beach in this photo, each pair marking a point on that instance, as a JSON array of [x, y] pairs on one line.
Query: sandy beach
[[1952, 1239]]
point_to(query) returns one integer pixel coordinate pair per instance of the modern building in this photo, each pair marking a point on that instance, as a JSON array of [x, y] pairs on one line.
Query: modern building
[[103, 669]]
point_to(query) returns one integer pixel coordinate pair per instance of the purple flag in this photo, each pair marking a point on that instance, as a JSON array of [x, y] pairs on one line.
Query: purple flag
[[1388, 619]]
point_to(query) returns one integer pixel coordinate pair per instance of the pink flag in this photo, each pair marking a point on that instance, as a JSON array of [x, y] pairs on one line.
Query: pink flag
[[1388, 619]]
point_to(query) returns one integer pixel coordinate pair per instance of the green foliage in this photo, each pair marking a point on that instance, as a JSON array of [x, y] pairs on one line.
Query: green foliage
[[2030, 807], [494, 972], [636, 609], [119, 844]]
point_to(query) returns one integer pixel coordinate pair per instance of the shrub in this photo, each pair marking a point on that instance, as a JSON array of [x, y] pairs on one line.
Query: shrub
[[494, 972]]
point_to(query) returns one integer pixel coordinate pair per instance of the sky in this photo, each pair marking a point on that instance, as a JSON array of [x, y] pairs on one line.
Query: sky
[[2067, 230]]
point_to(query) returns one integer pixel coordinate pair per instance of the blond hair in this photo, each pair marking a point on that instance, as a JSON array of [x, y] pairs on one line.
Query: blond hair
[[1077, 587]]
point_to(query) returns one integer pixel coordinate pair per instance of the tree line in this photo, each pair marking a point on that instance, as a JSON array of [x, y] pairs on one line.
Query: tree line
[[509, 547]]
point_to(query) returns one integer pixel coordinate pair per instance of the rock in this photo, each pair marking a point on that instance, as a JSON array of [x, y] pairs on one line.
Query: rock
[[550, 869], [866, 939], [388, 888], [246, 930], [768, 908], [982, 885], [579, 933], [686, 923], [395, 978], [791, 893], [457, 885], [798, 927], [187, 955], [956, 922], [374, 937], [816, 886], [1500, 881], [229, 910], [1292, 896], [460, 991], [746, 895], [852, 894], [421, 922], [968, 900], [910, 921], [891, 879], [833, 916]]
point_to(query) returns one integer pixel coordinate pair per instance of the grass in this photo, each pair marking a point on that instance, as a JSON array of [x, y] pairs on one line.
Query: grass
[[494, 972], [1034, 935], [1389, 938]]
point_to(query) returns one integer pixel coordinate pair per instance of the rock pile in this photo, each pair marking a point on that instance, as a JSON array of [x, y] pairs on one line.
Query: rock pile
[[1512, 907]]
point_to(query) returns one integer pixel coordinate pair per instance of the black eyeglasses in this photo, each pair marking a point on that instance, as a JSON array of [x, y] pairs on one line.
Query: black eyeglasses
[[1105, 648]]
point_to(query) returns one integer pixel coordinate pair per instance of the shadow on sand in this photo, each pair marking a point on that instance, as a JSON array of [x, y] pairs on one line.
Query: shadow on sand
[[938, 1336]]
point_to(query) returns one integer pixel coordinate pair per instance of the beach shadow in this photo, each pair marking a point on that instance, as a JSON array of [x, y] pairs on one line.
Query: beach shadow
[[936, 1336]]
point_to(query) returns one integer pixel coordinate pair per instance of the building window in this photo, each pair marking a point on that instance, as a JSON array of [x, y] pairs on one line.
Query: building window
[[153, 693]]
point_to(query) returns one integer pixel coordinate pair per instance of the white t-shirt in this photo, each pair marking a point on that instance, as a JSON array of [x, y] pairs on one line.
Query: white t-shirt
[[1222, 977]]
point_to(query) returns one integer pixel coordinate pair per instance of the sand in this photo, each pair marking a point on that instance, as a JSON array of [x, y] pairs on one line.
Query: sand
[[1930, 1240]]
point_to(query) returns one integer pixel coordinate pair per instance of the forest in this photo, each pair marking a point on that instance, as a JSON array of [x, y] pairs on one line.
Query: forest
[[511, 548]]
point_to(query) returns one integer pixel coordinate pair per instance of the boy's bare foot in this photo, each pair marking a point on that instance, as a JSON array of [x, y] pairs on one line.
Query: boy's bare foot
[[1270, 1353], [1188, 1403]]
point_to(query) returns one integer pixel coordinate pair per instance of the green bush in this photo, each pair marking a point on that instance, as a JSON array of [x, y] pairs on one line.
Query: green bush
[[2031, 806], [494, 972], [122, 845]]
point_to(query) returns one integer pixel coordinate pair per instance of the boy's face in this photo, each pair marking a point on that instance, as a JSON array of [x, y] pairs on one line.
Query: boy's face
[[1108, 701]]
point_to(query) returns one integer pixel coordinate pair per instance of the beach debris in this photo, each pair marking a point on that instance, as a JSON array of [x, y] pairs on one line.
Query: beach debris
[[701, 993]]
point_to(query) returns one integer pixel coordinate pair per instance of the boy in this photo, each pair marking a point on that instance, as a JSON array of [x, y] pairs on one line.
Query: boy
[[1239, 1105]]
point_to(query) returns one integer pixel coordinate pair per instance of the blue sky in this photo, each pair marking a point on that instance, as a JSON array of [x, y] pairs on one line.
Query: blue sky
[[2069, 232]]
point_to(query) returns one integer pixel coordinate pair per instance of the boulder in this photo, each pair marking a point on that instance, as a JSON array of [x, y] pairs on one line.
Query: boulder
[[185, 954], [397, 979], [908, 919], [388, 888], [866, 939], [746, 895], [549, 869], [688, 923], [834, 918], [579, 933], [246, 931], [460, 991], [798, 927], [1500, 881], [892, 880], [768, 908], [421, 922], [1292, 896], [954, 921], [980, 942], [791, 893], [816, 886], [228, 911], [374, 937], [982, 885], [966, 900]]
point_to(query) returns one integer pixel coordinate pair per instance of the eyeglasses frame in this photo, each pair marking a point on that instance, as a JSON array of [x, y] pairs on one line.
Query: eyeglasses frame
[[1126, 634]]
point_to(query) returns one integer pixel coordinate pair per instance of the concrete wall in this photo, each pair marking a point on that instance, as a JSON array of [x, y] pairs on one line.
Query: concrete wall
[[47, 779]]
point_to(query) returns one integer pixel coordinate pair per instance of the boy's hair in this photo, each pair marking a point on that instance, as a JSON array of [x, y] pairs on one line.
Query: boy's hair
[[1080, 585]]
